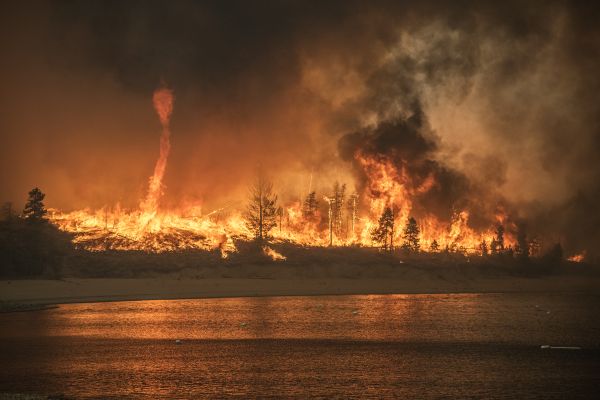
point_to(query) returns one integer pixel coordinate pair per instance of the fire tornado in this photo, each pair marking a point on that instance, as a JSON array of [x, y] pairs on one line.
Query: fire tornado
[[163, 104]]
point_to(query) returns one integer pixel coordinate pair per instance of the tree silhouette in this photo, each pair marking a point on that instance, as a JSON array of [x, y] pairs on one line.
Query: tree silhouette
[[500, 237], [384, 230], [261, 214], [522, 248], [411, 236], [34, 208], [434, 247], [309, 208], [497, 244]]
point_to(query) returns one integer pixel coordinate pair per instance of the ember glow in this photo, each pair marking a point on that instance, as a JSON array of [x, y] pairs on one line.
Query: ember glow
[[577, 257]]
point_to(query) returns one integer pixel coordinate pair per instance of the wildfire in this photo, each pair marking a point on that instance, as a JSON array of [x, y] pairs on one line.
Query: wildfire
[[275, 256], [148, 228], [163, 104], [389, 185]]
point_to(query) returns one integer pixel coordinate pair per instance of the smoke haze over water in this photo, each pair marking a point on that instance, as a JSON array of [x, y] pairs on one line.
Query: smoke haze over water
[[507, 96]]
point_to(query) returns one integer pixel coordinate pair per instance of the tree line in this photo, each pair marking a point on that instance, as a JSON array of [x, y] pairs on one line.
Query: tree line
[[29, 245], [263, 214]]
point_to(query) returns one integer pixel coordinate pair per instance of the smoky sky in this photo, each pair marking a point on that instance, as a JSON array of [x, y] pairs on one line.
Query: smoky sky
[[508, 90]]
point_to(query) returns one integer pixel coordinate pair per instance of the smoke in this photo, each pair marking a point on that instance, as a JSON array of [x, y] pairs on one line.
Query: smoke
[[163, 104], [498, 101]]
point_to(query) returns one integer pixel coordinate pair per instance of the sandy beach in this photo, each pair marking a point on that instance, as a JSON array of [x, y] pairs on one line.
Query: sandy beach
[[97, 290]]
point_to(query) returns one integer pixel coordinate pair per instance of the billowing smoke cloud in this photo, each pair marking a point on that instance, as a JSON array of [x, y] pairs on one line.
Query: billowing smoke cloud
[[434, 188], [498, 100]]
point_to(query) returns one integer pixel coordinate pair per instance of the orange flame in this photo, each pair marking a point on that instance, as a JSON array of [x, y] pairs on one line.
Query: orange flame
[[389, 184], [275, 256], [163, 104], [577, 257]]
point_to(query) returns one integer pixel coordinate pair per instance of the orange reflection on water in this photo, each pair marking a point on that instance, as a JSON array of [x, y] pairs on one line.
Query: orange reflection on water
[[365, 317]]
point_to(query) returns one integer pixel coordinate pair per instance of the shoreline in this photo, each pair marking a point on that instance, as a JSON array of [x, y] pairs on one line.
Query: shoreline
[[38, 293]]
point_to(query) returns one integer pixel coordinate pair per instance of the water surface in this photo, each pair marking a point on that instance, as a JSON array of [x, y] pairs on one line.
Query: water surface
[[414, 346]]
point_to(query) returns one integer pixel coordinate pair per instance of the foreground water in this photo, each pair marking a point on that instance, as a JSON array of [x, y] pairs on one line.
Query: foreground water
[[411, 346]]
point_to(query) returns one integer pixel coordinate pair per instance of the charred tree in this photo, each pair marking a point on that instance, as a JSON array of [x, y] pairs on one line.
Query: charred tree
[[261, 214]]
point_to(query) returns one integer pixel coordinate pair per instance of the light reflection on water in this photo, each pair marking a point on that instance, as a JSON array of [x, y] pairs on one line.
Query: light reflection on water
[[379, 345], [465, 317]]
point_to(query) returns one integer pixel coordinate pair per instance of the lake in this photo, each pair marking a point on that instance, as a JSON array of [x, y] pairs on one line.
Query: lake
[[373, 346]]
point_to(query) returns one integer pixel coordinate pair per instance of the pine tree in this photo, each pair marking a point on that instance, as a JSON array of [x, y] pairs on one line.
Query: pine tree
[[34, 208], [309, 208], [411, 236], [261, 214], [383, 233], [435, 247]]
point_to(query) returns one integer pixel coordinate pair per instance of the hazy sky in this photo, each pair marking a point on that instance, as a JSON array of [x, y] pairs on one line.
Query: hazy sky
[[506, 93]]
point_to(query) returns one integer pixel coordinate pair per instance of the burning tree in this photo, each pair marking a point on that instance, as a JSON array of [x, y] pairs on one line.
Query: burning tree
[[34, 208], [384, 230], [411, 236], [435, 247], [261, 214]]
